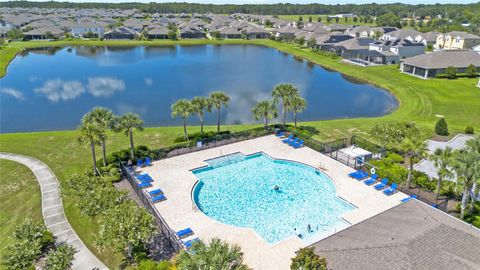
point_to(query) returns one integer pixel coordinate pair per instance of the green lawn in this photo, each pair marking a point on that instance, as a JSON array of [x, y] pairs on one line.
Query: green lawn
[[458, 100], [19, 199]]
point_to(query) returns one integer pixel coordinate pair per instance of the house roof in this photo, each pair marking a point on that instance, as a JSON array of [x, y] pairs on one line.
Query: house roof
[[463, 35], [44, 30], [403, 33], [412, 235], [355, 43], [444, 59], [122, 30]]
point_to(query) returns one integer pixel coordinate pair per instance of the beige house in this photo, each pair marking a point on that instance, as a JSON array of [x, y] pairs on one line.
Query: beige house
[[456, 40]]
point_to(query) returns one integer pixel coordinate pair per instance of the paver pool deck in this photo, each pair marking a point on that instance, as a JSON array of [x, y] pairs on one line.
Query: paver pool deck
[[174, 177]]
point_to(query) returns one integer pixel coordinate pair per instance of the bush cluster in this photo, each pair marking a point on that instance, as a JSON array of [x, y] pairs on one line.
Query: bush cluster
[[32, 241], [441, 127]]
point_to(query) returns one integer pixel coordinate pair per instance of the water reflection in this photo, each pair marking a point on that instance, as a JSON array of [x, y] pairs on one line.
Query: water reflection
[[147, 80]]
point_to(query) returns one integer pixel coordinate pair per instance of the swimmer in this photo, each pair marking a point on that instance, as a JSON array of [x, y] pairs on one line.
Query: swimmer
[[276, 187], [309, 228]]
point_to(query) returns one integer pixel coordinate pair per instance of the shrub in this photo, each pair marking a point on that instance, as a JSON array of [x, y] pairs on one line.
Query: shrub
[[441, 127], [307, 259], [32, 232], [421, 179], [471, 71], [60, 258], [21, 255], [451, 72], [152, 265], [469, 130]]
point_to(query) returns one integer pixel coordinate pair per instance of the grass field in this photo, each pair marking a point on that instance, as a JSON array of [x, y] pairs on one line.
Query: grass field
[[420, 100], [19, 199]]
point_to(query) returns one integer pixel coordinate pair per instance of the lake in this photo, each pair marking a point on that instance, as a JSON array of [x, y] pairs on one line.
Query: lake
[[51, 88]]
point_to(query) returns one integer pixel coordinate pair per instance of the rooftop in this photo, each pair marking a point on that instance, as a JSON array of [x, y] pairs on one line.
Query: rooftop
[[412, 235]]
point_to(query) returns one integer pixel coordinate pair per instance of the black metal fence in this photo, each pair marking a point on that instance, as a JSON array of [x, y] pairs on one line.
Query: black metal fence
[[162, 225]]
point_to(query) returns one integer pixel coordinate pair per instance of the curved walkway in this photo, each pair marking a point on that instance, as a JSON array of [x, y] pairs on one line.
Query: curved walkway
[[52, 210]]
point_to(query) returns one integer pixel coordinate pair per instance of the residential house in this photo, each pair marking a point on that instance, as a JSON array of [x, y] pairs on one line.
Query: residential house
[[228, 32], [318, 28], [409, 34], [368, 31], [192, 32], [158, 32], [431, 64], [81, 30], [456, 40], [42, 33], [428, 38], [391, 51], [351, 48], [254, 32], [121, 32], [287, 32], [337, 27]]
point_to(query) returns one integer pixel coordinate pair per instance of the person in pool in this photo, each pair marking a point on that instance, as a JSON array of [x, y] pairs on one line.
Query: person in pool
[[276, 187], [309, 228]]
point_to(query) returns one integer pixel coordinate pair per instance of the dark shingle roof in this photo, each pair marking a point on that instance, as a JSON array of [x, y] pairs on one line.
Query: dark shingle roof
[[412, 235]]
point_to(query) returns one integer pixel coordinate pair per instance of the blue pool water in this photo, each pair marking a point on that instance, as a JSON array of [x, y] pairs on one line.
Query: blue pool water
[[239, 190]]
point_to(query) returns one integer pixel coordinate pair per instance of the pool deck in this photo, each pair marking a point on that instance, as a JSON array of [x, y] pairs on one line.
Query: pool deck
[[174, 177]]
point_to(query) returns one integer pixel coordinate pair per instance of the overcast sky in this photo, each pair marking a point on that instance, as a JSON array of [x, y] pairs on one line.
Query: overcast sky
[[289, 1]]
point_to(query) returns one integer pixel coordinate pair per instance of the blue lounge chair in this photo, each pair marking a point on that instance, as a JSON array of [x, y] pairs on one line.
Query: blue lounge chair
[[184, 233], [144, 177], [287, 140], [148, 162], [391, 190], [155, 192], [144, 185], [139, 163], [381, 185], [371, 181], [188, 244], [298, 144], [404, 200], [280, 134], [291, 143], [359, 175], [159, 198]]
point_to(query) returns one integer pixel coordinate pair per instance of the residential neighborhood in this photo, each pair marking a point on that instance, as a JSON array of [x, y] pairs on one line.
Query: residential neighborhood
[[360, 45]]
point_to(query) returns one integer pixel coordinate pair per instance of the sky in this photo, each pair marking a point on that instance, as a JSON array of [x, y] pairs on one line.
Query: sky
[[333, 2]]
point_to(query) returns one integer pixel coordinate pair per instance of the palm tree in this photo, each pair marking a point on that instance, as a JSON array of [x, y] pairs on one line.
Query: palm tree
[[412, 147], [199, 106], [183, 108], [128, 123], [217, 254], [284, 92], [103, 119], [296, 104], [219, 99], [90, 134], [442, 159], [265, 109], [467, 167]]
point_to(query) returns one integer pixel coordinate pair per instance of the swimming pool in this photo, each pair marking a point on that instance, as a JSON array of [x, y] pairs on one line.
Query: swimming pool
[[240, 190]]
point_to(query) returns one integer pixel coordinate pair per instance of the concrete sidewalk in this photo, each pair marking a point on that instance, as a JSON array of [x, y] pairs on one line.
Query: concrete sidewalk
[[52, 210]]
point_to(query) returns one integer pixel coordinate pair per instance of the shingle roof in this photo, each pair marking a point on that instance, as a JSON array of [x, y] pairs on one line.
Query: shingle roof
[[412, 235], [444, 59]]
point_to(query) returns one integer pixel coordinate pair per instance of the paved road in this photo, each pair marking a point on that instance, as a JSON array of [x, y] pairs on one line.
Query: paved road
[[52, 210]]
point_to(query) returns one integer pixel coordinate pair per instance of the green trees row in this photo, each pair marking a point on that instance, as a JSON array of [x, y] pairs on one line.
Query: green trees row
[[31, 242], [96, 123], [200, 105], [289, 99], [404, 137]]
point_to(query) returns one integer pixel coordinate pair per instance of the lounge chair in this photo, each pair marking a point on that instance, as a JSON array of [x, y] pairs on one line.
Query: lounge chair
[[280, 134], [371, 181], [139, 163], [159, 198], [404, 200], [144, 177], [287, 140], [298, 144], [155, 192], [391, 190], [144, 185], [291, 143], [359, 175], [381, 185], [148, 162], [188, 244], [184, 233]]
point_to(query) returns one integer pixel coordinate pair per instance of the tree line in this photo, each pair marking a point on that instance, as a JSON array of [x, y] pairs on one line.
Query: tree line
[[373, 9]]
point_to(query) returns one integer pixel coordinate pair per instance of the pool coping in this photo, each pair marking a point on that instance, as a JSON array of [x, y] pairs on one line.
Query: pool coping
[[308, 242]]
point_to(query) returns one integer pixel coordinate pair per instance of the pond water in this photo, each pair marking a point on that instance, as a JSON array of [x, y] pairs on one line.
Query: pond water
[[51, 88]]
